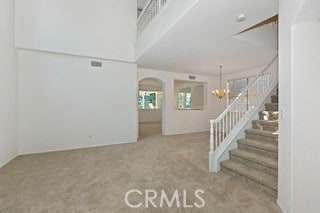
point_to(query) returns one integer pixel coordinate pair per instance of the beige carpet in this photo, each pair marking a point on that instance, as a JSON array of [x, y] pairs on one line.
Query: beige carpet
[[96, 179]]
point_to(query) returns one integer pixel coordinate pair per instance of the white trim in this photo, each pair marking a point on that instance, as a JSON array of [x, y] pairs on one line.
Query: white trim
[[281, 206]]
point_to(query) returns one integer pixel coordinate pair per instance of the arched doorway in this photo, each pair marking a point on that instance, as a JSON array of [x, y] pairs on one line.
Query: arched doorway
[[151, 107]]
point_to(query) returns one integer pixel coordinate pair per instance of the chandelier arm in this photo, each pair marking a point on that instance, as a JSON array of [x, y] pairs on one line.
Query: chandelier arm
[[220, 93], [220, 77]]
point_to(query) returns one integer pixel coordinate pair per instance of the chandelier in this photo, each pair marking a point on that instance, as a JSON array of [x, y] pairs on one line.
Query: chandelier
[[220, 93]]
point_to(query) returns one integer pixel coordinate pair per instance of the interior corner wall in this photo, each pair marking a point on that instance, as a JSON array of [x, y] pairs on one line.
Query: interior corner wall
[[288, 10], [93, 28], [64, 103], [8, 85], [187, 121], [181, 121]]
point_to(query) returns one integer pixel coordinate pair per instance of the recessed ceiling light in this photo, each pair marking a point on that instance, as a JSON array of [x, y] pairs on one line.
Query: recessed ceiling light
[[241, 17]]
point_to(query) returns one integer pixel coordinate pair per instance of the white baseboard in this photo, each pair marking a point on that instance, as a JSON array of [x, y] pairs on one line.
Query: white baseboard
[[2, 164], [281, 206], [72, 148]]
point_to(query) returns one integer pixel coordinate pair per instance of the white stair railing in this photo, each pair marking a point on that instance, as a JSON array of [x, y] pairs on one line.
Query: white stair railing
[[148, 14], [224, 128]]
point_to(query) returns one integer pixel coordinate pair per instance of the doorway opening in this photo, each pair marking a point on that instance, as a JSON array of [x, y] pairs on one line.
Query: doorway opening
[[150, 105]]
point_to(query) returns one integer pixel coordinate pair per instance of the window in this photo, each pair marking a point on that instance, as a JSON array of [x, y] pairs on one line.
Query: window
[[150, 99], [238, 85], [184, 98]]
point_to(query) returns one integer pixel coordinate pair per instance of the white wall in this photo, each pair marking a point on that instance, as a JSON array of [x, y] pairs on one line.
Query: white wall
[[150, 115], [299, 186], [243, 73], [94, 28], [305, 141], [64, 103], [176, 121], [8, 84], [288, 10], [180, 121]]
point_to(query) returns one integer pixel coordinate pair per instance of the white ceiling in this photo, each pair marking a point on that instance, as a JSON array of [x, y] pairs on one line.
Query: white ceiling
[[266, 35], [204, 38], [141, 3]]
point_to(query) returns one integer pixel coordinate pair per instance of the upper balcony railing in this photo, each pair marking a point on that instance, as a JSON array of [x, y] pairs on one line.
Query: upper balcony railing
[[148, 14]]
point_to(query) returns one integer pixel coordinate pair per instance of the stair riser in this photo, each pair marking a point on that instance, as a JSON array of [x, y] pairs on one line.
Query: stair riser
[[261, 138], [270, 107], [274, 99], [268, 170], [269, 191], [264, 126], [263, 152], [268, 117]]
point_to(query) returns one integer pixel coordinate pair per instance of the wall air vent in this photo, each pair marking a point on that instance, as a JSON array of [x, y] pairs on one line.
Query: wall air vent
[[96, 64], [192, 77]]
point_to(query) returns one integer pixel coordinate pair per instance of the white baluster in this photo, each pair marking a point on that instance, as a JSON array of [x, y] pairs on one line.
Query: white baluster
[[212, 163], [228, 125], [220, 139], [148, 14], [236, 119], [248, 100], [215, 136], [233, 118], [223, 128], [211, 137]]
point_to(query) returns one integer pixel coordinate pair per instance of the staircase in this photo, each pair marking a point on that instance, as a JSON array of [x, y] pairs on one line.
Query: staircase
[[256, 159]]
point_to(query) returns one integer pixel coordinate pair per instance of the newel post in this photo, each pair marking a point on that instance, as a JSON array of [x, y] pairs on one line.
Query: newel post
[[212, 162]]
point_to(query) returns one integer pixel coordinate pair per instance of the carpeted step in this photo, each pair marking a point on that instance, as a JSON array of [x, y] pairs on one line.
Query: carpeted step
[[265, 125], [262, 148], [261, 135], [268, 115], [271, 106], [257, 161], [274, 99], [258, 179]]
